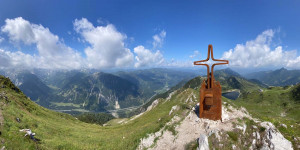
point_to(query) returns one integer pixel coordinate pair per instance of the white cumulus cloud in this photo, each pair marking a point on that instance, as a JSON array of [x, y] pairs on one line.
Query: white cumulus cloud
[[145, 57], [52, 52], [107, 48], [158, 39], [17, 59], [18, 30], [148, 58], [258, 53]]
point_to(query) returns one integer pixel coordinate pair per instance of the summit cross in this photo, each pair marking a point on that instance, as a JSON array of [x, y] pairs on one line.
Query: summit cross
[[210, 106]]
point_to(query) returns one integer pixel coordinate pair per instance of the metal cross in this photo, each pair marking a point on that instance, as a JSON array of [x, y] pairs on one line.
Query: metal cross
[[210, 76], [210, 91]]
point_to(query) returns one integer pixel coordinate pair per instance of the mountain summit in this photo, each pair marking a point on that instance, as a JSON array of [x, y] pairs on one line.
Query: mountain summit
[[280, 77]]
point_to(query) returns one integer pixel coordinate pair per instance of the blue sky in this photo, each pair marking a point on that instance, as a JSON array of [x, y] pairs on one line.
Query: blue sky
[[183, 30]]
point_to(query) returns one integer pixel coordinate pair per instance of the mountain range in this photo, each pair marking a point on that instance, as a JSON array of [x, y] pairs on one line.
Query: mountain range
[[167, 122], [279, 77], [78, 91], [88, 90]]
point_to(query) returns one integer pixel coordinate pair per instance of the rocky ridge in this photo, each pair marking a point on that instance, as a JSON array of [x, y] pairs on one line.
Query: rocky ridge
[[237, 130]]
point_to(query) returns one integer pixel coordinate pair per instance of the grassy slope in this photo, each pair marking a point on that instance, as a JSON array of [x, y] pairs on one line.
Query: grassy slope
[[62, 131], [275, 105], [237, 83]]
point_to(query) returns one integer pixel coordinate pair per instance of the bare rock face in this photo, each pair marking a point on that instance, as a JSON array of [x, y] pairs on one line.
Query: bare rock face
[[149, 141], [154, 103], [173, 109], [273, 139], [203, 142]]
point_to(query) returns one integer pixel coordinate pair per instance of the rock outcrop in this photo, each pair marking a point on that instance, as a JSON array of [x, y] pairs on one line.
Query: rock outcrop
[[273, 139], [190, 128], [203, 142], [230, 133]]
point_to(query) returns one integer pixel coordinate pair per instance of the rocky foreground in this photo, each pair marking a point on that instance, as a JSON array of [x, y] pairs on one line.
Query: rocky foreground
[[237, 130]]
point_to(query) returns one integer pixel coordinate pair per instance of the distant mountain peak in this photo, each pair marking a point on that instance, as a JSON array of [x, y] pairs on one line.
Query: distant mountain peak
[[228, 69], [282, 69], [279, 77], [226, 73]]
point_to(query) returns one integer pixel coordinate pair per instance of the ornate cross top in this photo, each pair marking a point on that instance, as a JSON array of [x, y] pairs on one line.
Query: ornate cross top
[[210, 91], [210, 76]]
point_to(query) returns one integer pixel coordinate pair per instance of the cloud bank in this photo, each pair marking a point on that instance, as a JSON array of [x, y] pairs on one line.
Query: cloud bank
[[106, 49], [145, 57], [258, 53], [106, 45], [148, 58], [52, 52]]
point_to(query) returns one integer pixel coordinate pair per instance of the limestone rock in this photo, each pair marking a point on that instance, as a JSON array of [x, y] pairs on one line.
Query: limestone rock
[[274, 139], [173, 109], [243, 128], [203, 142], [154, 103]]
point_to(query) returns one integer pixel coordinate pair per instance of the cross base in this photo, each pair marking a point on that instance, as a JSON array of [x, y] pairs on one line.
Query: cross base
[[210, 106]]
